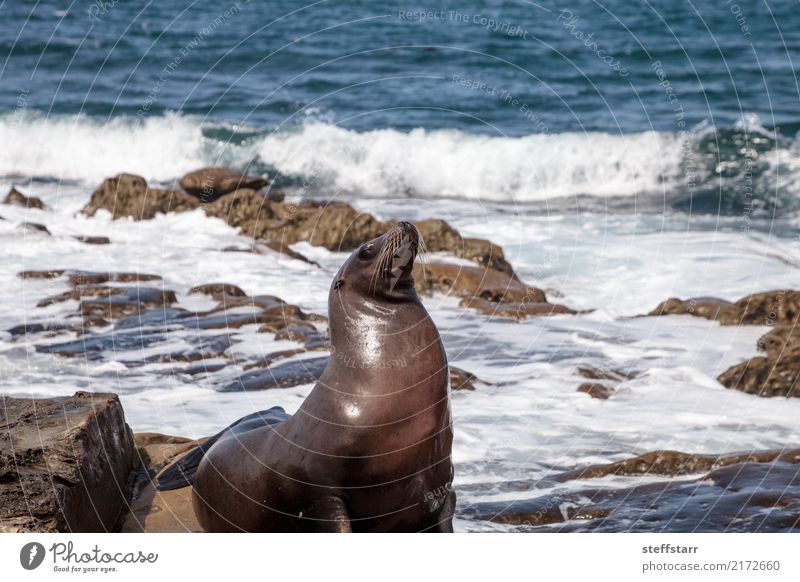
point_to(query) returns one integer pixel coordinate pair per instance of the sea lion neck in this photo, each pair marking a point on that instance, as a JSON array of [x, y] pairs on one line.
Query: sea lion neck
[[372, 332]]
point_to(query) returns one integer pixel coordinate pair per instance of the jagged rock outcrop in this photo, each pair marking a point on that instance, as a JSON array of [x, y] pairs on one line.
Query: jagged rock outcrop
[[487, 290], [65, 463], [208, 184], [17, 198], [128, 195]]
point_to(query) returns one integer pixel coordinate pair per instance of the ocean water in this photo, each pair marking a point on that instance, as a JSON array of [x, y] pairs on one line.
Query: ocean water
[[694, 104], [620, 152]]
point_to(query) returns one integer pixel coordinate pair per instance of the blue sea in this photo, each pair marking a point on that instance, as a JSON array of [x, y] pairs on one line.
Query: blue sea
[[620, 152], [694, 103]]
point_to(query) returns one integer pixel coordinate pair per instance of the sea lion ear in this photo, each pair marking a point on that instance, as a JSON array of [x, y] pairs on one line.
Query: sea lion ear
[[338, 284]]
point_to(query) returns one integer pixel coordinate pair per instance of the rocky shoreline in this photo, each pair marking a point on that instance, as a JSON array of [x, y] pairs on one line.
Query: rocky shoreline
[[48, 485]]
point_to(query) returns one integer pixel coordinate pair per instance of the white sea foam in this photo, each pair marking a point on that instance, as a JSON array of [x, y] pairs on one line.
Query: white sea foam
[[450, 163], [385, 163], [88, 149]]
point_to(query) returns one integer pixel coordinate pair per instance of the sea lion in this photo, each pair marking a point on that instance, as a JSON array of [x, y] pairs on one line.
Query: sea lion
[[370, 447]]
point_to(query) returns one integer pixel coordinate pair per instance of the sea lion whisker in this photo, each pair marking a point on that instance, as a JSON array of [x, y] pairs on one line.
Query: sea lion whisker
[[377, 272]]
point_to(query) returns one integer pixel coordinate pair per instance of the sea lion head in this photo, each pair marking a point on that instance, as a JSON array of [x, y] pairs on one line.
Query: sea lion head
[[383, 267]]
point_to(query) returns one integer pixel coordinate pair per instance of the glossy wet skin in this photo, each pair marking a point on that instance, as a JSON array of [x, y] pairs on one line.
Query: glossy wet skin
[[369, 449]]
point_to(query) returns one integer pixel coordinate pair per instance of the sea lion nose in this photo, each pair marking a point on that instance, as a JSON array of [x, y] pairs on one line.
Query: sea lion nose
[[406, 226]]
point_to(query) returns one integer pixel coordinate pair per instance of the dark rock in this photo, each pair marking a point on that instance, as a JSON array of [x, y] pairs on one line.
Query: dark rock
[[335, 226], [492, 292], [65, 463], [486, 254], [438, 236], [203, 348], [209, 184], [596, 390], [296, 332], [121, 301], [269, 305], [275, 195], [35, 227], [165, 318], [266, 310], [281, 376], [127, 195], [777, 307], [779, 339], [201, 367], [516, 311], [54, 274], [604, 382], [734, 497], [17, 198], [77, 278], [466, 281], [780, 307], [218, 291], [669, 463], [93, 240], [36, 328], [603, 374], [270, 359], [93, 346], [461, 379], [309, 370], [708, 307], [777, 374], [242, 208], [79, 291]]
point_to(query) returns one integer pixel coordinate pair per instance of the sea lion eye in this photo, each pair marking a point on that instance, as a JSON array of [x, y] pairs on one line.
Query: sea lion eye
[[365, 253]]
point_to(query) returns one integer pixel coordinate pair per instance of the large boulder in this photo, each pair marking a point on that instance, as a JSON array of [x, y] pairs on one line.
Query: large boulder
[[779, 307], [335, 226], [490, 291], [209, 184], [775, 374], [241, 207], [468, 281], [65, 463], [128, 195], [17, 198]]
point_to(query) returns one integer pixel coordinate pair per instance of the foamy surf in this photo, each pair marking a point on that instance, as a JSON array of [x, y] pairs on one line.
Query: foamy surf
[[735, 168]]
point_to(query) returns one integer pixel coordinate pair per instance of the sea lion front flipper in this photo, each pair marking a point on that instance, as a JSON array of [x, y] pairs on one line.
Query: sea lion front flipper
[[329, 514], [181, 472]]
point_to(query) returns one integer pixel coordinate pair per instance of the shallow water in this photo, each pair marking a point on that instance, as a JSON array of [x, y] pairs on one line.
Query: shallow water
[[526, 420]]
